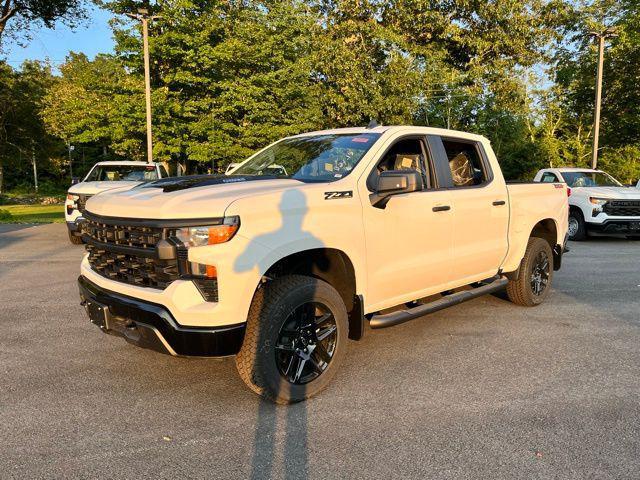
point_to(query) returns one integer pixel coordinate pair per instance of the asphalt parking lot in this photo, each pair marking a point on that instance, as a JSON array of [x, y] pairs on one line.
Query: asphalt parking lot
[[483, 390]]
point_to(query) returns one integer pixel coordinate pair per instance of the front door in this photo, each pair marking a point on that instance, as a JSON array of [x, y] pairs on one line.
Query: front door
[[409, 242]]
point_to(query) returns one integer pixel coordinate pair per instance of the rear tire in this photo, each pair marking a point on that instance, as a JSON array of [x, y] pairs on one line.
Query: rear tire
[[577, 227], [290, 351], [75, 239], [534, 275]]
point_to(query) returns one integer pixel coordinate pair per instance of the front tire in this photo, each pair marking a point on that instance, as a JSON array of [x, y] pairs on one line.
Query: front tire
[[577, 228], [296, 337], [534, 275]]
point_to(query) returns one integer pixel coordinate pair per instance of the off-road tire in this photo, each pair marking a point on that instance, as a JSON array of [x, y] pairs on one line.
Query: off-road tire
[[520, 291], [271, 305], [75, 239], [581, 232]]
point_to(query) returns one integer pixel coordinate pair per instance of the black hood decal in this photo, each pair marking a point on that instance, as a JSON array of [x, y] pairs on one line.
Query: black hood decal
[[173, 184]]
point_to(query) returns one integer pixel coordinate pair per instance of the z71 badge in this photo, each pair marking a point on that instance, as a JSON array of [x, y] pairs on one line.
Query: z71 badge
[[335, 195]]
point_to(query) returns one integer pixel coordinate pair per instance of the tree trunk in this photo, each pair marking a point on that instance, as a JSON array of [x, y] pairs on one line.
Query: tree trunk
[[1, 179]]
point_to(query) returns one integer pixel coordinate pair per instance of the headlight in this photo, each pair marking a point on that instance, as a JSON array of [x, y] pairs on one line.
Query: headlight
[[209, 234], [72, 197], [598, 201]]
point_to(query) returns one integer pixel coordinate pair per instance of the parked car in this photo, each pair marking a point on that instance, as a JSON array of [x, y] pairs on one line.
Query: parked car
[[281, 269], [597, 202], [105, 176]]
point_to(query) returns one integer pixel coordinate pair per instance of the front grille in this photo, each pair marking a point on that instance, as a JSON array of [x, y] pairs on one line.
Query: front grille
[[123, 235], [127, 251], [132, 269], [622, 208], [82, 202]]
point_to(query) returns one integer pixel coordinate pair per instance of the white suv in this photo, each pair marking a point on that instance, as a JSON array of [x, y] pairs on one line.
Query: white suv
[[597, 202], [105, 176]]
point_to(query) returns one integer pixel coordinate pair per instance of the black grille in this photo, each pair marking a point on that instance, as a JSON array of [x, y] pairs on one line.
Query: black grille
[[82, 202], [622, 208], [123, 235], [132, 269]]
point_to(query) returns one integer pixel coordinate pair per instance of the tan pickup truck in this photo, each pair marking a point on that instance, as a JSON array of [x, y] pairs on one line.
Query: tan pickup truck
[[310, 240]]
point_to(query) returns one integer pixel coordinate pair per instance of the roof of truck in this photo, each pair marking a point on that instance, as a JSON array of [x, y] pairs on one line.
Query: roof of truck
[[572, 169], [393, 128], [125, 162]]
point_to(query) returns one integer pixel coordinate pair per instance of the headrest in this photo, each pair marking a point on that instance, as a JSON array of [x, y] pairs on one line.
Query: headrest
[[406, 161]]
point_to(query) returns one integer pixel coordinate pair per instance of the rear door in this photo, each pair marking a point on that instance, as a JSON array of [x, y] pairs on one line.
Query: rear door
[[409, 241], [480, 206]]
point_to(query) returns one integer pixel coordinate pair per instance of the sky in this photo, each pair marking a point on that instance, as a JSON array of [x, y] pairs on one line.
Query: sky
[[92, 37]]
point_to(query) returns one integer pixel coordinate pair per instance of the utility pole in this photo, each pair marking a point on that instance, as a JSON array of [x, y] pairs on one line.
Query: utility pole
[[144, 18], [70, 149], [35, 168], [601, 37]]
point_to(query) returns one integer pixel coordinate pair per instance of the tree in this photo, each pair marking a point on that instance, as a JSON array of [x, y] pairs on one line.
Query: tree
[[22, 132], [26, 13]]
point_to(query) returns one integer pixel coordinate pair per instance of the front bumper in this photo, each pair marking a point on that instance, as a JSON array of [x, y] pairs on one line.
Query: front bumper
[[615, 226], [150, 325]]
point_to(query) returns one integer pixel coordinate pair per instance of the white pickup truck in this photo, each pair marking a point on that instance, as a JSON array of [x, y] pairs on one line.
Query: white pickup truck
[[310, 240], [105, 176], [597, 202]]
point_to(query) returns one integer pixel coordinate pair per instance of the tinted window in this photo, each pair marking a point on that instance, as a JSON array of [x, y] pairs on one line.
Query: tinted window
[[548, 177], [465, 163], [128, 173], [316, 158], [405, 154], [590, 179]]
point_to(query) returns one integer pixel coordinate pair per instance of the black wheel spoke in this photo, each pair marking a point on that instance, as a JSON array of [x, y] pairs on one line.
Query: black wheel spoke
[[325, 332], [299, 368]]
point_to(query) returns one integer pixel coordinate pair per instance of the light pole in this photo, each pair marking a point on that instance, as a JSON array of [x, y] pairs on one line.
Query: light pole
[[144, 18], [601, 36]]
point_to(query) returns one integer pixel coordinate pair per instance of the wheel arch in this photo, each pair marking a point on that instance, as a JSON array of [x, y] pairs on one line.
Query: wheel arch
[[332, 266]]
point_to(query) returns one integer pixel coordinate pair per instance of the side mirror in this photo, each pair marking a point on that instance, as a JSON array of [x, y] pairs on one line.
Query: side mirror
[[395, 182], [75, 180]]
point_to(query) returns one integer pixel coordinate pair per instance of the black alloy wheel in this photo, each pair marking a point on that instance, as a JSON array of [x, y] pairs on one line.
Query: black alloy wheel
[[540, 273], [306, 343]]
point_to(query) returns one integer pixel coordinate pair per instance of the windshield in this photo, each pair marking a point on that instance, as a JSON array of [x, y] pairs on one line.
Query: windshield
[[317, 158], [590, 179], [123, 173]]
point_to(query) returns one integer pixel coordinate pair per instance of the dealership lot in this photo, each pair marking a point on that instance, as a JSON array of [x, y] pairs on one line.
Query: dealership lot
[[483, 390]]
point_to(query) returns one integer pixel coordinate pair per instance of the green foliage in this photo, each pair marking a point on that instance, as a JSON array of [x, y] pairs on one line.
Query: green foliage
[[5, 215], [22, 15], [229, 77]]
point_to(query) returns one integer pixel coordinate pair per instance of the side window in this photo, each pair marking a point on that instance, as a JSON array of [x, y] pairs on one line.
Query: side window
[[405, 154], [465, 163], [163, 172], [548, 177]]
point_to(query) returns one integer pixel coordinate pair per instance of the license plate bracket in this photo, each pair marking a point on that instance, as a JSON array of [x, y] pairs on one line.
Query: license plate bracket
[[98, 314]]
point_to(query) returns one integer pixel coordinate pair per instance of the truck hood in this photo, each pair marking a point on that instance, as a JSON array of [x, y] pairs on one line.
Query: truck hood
[[91, 188], [617, 193], [203, 196]]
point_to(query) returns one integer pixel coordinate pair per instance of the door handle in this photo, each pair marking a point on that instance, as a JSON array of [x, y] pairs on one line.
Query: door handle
[[441, 208], [497, 203]]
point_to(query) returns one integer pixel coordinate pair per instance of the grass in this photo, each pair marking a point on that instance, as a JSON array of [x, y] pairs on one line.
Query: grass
[[32, 214]]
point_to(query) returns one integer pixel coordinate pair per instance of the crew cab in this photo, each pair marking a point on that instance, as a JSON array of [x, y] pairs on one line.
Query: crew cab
[[597, 202], [310, 240], [105, 176]]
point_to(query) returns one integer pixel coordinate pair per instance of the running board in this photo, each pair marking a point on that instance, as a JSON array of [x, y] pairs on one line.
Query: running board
[[396, 318]]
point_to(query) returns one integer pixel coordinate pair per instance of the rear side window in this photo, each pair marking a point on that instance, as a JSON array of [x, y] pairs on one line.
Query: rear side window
[[548, 177], [465, 163]]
